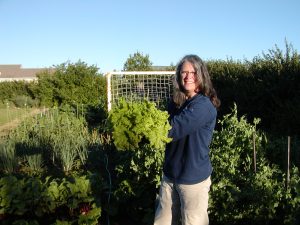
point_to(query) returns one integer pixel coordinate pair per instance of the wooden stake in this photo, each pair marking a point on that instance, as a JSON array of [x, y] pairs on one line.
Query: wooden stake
[[254, 153], [288, 162]]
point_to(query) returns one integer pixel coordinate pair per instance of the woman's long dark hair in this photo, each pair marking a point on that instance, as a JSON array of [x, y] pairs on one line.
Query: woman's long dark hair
[[204, 83]]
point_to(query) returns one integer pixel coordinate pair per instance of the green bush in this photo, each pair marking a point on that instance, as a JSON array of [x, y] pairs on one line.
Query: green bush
[[239, 193], [10, 89], [22, 101], [265, 87], [71, 84]]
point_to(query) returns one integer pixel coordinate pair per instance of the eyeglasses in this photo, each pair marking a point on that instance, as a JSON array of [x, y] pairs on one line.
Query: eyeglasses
[[185, 73]]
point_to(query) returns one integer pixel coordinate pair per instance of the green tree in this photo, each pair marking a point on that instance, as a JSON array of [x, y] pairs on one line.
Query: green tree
[[72, 84], [137, 62]]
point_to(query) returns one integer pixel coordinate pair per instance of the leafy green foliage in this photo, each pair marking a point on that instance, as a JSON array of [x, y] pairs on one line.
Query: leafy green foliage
[[22, 101], [265, 87], [239, 194], [277, 73], [135, 124], [235, 139], [137, 177], [140, 132], [10, 90], [57, 135], [8, 159], [72, 84], [44, 200]]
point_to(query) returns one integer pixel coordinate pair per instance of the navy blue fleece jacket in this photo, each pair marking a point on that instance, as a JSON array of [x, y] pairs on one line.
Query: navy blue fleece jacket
[[187, 156]]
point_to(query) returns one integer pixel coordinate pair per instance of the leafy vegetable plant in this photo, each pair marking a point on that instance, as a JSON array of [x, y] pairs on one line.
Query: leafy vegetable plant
[[135, 124]]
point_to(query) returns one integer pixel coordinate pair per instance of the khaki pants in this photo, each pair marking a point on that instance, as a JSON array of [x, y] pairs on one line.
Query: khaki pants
[[187, 203]]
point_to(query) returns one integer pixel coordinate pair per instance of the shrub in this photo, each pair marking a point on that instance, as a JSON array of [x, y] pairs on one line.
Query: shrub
[[239, 194], [23, 101]]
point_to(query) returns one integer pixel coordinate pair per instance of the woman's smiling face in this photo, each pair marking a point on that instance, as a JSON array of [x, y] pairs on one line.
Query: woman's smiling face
[[189, 79]]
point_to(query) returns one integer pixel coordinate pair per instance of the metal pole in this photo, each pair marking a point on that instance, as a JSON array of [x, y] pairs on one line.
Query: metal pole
[[108, 80]]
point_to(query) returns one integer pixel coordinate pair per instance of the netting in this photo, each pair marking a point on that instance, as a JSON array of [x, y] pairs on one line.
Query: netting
[[154, 86]]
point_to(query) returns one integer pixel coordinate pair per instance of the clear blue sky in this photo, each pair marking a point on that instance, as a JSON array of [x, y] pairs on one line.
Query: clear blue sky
[[43, 33]]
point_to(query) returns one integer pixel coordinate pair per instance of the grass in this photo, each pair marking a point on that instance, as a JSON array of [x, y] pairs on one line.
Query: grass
[[11, 117], [8, 115]]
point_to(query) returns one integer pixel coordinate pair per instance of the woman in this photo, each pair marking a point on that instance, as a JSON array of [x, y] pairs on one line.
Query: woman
[[187, 167]]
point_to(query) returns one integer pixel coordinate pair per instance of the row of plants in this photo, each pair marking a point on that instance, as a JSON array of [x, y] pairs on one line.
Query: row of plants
[[57, 135], [45, 179], [116, 180]]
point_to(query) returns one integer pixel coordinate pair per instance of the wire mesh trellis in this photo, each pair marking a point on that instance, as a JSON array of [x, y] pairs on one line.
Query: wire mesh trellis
[[156, 86]]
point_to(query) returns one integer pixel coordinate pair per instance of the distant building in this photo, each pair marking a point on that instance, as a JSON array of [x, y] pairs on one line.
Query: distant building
[[14, 72]]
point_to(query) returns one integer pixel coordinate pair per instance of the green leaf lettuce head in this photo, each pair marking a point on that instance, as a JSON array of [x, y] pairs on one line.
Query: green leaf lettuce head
[[135, 124]]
